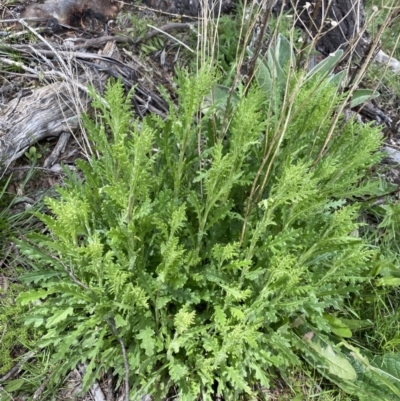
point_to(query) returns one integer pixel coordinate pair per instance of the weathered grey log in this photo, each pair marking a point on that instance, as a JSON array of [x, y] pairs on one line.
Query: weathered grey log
[[56, 108], [46, 112], [391, 62], [393, 155], [58, 149]]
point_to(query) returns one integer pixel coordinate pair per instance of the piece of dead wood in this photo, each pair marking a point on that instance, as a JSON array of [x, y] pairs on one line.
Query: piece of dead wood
[[98, 42], [56, 108], [59, 148], [46, 112], [17, 368], [110, 385], [95, 390], [374, 113], [56, 53], [41, 388]]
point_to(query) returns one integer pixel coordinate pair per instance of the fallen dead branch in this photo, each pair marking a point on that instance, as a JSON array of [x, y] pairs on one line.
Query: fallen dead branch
[[56, 108], [59, 148], [45, 112], [95, 390], [17, 368]]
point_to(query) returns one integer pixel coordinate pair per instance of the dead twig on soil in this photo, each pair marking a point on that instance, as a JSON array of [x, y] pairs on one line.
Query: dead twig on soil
[[17, 368], [60, 148], [42, 387], [50, 74], [95, 390], [111, 322]]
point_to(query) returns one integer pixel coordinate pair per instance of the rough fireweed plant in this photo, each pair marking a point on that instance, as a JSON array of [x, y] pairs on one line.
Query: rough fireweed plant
[[146, 253]]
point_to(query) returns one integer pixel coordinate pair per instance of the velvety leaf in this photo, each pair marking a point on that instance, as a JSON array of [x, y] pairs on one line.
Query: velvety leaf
[[13, 385], [326, 65], [337, 364], [361, 96], [284, 51], [263, 75], [337, 79]]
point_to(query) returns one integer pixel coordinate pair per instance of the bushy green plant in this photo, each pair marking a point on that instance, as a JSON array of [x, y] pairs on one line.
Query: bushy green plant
[[182, 256]]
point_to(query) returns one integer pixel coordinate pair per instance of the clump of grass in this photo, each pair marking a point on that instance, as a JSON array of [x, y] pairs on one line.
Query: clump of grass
[[390, 37], [15, 337]]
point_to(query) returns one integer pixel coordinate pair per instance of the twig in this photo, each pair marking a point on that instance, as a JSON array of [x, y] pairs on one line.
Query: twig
[[51, 73], [41, 388], [38, 35], [59, 148], [95, 389], [110, 385], [253, 61], [172, 37], [69, 53], [17, 368], [124, 356], [97, 42], [12, 20], [49, 170], [165, 28]]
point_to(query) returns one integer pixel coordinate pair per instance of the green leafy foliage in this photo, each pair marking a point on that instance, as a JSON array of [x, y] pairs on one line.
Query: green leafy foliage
[[356, 372], [197, 248], [273, 71], [15, 337]]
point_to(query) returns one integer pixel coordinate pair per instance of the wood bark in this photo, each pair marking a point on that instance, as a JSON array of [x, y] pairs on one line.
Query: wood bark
[[45, 112], [56, 108]]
